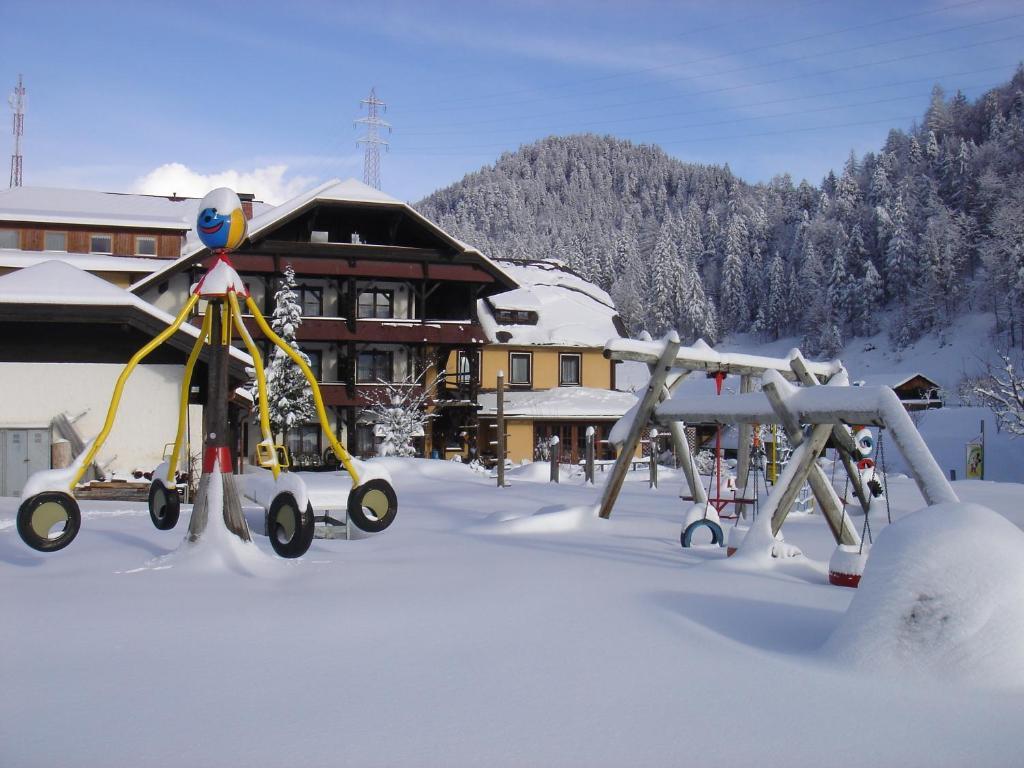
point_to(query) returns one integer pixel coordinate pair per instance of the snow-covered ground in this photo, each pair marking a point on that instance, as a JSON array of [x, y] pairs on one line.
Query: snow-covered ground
[[492, 627]]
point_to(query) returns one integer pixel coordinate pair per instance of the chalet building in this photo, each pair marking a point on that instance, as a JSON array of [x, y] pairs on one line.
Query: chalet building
[[547, 336], [916, 391], [386, 296]]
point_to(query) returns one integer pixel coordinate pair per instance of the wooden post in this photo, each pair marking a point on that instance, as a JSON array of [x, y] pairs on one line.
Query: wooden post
[[840, 524], [217, 439], [746, 432], [500, 419], [588, 467], [553, 449], [796, 474], [841, 435], [643, 415], [653, 482]]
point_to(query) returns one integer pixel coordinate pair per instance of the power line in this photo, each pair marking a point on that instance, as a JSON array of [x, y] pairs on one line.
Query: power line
[[686, 113], [444, 105]]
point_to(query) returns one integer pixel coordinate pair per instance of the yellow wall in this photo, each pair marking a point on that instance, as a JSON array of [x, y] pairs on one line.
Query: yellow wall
[[520, 440], [595, 370]]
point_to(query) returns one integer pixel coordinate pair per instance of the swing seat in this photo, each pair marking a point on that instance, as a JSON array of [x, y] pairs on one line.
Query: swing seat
[[717, 537]]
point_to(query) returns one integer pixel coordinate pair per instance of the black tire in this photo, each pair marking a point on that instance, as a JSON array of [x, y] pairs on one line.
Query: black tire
[[717, 537], [372, 506], [164, 505], [290, 531], [38, 515]]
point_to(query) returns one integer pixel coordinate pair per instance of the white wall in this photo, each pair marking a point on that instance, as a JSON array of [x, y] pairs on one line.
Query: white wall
[[33, 393]]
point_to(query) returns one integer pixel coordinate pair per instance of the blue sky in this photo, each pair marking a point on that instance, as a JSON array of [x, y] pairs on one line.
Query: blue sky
[[150, 95]]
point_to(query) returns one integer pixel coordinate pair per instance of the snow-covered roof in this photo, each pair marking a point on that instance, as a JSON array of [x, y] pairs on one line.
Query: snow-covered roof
[[892, 380], [560, 403], [97, 209], [333, 191], [60, 283], [570, 311], [92, 262]]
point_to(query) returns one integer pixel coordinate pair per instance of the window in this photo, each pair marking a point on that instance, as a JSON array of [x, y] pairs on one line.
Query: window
[[304, 440], [316, 362], [101, 244], [569, 370], [380, 304], [55, 241], [9, 238], [515, 317], [311, 300], [519, 367], [465, 370], [373, 366], [366, 444], [145, 246]]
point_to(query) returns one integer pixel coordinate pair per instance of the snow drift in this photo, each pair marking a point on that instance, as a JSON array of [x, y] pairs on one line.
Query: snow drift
[[941, 595]]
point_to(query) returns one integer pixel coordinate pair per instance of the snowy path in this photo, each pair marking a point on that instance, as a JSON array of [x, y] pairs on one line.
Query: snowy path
[[457, 639]]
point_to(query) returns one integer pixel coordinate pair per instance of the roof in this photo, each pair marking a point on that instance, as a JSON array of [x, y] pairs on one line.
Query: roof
[[59, 283], [560, 403], [893, 380], [103, 209], [571, 311], [333, 191], [92, 262]]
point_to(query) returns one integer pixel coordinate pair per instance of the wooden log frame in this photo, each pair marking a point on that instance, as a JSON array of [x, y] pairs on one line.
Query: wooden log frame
[[645, 410]]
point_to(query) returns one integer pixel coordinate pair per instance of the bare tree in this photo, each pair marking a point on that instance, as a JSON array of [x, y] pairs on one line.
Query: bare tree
[[1002, 390]]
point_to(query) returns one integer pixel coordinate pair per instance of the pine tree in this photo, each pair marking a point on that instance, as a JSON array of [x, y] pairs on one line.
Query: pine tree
[[776, 314], [289, 397], [732, 291], [868, 301], [899, 255]]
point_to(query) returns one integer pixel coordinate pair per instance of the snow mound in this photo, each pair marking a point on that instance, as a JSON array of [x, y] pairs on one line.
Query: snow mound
[[941, 596], [557, 519]]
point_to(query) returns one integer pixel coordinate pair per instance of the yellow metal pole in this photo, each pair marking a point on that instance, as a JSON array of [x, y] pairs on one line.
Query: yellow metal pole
[[339, 451], [261, 377], [186, 388], [122, 379]]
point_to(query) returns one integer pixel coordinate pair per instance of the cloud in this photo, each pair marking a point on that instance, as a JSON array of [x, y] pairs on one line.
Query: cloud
[[267, 184]]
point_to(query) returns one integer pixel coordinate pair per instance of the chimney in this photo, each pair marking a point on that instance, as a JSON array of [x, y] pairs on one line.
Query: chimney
[[247, 198]]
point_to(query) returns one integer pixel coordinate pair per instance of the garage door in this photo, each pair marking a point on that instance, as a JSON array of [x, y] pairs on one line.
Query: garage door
[[22, 452]]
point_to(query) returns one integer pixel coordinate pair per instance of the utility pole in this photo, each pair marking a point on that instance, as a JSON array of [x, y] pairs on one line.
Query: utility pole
[[17, 102], [371, 140]]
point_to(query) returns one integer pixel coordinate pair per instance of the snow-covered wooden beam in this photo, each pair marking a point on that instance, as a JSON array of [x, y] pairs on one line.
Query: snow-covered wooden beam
[[702, 357], [878, 406]]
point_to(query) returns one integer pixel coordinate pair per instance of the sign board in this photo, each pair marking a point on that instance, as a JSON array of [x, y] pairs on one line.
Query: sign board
[[975, 461]]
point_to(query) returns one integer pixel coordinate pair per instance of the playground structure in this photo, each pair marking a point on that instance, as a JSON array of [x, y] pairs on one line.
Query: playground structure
[[49, 517], [825, 407]]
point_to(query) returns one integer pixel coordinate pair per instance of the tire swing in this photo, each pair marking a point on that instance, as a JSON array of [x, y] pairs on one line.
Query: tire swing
[[164, 505], [704, 521], [40, 515], [289, 530], [372, 505]]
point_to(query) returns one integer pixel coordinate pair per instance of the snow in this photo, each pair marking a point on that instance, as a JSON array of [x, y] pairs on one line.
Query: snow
[[489, 626], [92, 262], [100, 209], [220, 279], [940, 597], [560, 403], [571, 311]]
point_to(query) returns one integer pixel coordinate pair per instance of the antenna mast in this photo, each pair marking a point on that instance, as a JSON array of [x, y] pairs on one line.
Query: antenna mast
[[371, 141], [17, 102]]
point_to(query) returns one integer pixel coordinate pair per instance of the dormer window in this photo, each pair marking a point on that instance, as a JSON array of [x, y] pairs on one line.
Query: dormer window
[[515, 317]]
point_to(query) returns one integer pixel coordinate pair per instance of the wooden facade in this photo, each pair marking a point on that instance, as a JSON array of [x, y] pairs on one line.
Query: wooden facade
[[32, 237], [385, 295]]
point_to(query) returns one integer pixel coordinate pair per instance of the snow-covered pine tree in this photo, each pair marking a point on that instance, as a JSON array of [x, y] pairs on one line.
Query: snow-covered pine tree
[[733, 294], [776, 316], [899, 254], [399, 414], [290, 399], [868, 301]]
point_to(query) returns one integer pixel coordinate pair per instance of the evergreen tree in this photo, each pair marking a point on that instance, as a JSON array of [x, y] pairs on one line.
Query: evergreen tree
[[289, 397], [732, 291], [899, 255]]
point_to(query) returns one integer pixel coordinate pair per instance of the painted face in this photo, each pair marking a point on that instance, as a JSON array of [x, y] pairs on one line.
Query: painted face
[[865, 442], [221, 223]]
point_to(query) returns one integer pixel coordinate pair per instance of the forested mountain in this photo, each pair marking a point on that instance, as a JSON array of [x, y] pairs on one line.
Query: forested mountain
[[931, 224]]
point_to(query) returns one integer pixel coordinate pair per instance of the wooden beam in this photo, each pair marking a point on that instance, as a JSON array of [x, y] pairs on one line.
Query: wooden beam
[[643, 415]]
